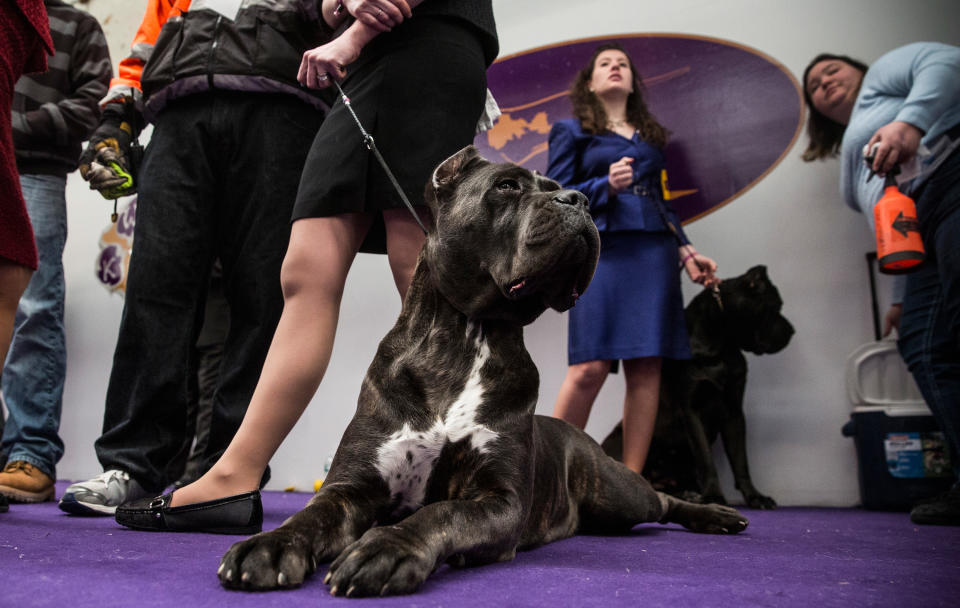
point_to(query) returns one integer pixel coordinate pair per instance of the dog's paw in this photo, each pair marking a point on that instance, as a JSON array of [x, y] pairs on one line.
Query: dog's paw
[[385, 561], [759, 501], [716, 519], [270, 560]]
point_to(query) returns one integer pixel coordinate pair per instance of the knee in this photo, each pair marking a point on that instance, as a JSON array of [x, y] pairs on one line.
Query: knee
[[644, 372], [13, 282], [302, 273], [590, 375]]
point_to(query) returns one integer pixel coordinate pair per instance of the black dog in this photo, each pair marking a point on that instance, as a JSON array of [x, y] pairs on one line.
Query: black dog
[[703, 398], [444, 460]]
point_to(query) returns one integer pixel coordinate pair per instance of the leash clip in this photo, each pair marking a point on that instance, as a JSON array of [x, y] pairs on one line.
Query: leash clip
[[716, 296]]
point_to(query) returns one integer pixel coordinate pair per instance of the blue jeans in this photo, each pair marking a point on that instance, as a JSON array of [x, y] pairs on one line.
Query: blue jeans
[[930, 325], [37, 360]]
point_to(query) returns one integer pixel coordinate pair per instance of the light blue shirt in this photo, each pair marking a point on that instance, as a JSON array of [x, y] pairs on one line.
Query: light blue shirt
[[918, 83]]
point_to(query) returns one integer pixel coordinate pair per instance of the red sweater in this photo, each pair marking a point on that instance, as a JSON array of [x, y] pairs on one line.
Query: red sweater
[[18, 46]]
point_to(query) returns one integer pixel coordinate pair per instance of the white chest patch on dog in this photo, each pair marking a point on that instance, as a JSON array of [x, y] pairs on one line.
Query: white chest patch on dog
[[406, 459]]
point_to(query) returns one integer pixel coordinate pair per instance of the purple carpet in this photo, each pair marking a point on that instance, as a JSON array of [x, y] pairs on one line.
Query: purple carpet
[[788, 557]]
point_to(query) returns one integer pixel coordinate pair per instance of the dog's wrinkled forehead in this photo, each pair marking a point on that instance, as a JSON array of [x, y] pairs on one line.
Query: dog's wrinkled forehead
[[466, 179], [757, 291]]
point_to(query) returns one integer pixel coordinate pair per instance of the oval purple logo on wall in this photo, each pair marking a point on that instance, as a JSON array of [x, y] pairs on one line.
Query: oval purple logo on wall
[[733, 112]]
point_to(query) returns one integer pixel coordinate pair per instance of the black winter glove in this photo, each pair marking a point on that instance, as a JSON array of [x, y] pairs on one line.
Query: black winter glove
[[110, 159]]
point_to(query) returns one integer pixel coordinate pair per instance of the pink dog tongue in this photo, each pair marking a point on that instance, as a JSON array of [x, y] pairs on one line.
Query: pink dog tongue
[[518, 285]]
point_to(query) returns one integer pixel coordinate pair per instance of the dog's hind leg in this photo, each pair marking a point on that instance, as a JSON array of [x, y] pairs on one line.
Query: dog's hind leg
[[614, 498]]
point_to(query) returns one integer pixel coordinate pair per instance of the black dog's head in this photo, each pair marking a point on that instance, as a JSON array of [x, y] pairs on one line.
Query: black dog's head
[[507, 243], [752, 304], [750, 316]]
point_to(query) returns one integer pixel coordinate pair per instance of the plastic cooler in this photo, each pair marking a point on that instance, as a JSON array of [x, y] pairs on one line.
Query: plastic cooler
[[901, 452], [902, 455]]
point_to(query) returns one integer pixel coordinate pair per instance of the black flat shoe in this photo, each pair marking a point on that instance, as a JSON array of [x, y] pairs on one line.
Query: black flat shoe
[[240, 514]]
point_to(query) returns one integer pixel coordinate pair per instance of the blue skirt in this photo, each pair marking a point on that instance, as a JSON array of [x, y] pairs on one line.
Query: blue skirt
[[634, 305]]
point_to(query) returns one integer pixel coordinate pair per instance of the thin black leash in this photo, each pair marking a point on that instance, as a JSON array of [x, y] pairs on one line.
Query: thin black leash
[[676, 234], [368, 141]]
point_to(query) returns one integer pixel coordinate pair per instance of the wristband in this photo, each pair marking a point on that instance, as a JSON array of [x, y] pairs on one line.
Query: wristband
[[683, 262]]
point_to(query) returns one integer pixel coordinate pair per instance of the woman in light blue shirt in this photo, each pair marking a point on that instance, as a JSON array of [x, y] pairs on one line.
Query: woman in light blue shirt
[[905, 110]]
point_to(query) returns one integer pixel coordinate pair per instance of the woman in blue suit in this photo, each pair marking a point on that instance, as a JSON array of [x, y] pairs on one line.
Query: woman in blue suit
[[633, 310]]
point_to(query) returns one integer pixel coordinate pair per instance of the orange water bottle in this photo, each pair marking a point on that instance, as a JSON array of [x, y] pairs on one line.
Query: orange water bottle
[[899, 244]]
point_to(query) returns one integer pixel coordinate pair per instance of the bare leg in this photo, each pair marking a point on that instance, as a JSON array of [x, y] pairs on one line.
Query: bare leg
[[640, 409], [13, 281], [314, 272], [404, 242], [579, 390]]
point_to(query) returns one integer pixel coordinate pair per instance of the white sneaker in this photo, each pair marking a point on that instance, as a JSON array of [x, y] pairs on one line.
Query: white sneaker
[[102, 494]]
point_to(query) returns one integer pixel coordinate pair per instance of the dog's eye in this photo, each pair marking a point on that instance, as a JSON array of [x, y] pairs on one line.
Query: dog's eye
[[508, 184]]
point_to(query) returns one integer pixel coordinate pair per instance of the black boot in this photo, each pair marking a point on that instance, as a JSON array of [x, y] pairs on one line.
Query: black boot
[[944, 510]]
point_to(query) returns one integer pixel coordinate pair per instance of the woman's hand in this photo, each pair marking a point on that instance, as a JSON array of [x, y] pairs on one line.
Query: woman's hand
[[892, 319], [892, 144], [621, 175], [381, 15], [321, 64], [700, 268]]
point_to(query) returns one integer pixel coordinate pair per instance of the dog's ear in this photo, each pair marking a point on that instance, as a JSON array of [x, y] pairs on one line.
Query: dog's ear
[[445, 176], [757, 274], [446, 172], [448, 169]]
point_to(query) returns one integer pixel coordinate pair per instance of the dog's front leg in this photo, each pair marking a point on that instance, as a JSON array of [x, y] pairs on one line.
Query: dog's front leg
[[703, 457], [734, 435], [285, 557], [397, 559]]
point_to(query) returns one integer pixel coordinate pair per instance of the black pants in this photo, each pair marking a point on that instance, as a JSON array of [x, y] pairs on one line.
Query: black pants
[[218, 180]]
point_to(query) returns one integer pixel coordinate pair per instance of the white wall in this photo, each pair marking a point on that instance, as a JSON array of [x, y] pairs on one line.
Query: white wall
[[792, 221]]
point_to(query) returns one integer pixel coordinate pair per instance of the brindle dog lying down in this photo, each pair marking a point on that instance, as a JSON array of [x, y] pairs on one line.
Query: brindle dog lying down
[[444, 460], [702, 399]]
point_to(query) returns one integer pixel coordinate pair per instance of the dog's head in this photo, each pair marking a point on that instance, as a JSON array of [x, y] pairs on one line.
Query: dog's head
[[749, 319], [752, 306], [507, 243]]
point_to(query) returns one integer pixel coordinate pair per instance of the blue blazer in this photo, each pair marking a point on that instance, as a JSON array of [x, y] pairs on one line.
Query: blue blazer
[[581, 161]]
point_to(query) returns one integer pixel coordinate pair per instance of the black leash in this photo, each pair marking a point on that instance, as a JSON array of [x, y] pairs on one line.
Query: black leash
[[676, 234], [368, 141]]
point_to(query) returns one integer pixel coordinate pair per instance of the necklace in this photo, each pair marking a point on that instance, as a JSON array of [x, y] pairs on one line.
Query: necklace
[[618, 124]]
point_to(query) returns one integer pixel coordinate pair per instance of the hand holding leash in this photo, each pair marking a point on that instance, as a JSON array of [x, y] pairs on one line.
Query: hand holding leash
[[702, 270], [327, 61]]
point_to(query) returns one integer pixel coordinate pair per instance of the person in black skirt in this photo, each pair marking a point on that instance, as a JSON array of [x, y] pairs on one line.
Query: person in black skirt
[[415, 73], [612, 151]]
